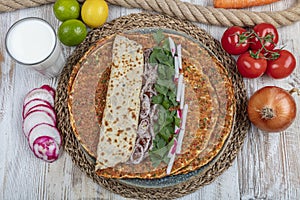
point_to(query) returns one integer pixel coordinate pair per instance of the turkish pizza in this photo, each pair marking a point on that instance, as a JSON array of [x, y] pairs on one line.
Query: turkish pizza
[[150, 104]]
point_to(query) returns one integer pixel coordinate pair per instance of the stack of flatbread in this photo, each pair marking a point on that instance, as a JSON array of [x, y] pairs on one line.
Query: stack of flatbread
[[111, 138]]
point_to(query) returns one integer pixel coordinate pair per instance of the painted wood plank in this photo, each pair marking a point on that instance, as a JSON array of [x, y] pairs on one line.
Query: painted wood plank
[[266, 168]]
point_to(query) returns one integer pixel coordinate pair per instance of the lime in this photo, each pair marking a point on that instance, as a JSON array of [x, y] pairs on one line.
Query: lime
[[72, 32], [94, 13], [66, 9]]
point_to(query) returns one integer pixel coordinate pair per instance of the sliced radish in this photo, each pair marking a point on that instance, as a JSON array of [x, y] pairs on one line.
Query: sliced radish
[[179, 56], [39, 93], [49, 89], [36, 117], [179, 87], [182, 96], [179, 113], [172, 46], [176, 76], [184, 116], [170, 164], [176, 130], [46, 148], [33, 103], [44, 130], [172, 151], [41, 107], [182, 129]]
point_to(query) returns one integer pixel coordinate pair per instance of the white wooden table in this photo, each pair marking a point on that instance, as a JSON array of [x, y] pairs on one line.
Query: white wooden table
[[267, 167]]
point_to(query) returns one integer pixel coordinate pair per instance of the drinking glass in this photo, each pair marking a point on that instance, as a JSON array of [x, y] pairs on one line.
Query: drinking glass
[[33, 43]]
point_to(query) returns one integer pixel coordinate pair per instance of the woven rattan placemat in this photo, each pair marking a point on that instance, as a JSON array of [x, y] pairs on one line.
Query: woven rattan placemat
[[80, 159]]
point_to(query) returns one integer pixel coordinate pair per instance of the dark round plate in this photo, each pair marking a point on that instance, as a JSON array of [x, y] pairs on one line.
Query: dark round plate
[[83, 98]]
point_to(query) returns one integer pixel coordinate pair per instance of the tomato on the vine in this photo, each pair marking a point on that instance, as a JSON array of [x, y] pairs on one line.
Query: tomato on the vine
[[251, 64], [265, 38], [235, 40], [282, 66]]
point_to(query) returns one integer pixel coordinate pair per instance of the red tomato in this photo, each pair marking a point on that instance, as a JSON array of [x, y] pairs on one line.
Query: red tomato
[[283, 66], [235, 40], [251, 65], [268, 35]]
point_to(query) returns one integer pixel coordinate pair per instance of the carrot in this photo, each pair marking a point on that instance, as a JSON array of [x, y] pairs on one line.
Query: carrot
[[241, 3]]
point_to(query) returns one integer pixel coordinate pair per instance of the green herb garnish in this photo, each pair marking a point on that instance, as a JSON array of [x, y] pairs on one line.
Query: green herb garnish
[[165, 98]]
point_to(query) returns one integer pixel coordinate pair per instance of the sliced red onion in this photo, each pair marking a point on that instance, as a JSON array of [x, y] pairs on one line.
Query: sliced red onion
[[145, 107], [143, 126], [179, 87], [179, 56], [137, 155], [182, 96], [172, 46], [144, 141], [182, 129]]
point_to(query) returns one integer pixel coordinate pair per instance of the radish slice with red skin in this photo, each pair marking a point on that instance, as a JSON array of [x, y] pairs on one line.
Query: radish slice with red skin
[[48, 109], [170, 164], [179, 56], [176, 130], [49, 89], [36, 117], [182, 96], [172, 46], [176, 76], [179, 87], [33, 103], [46, 148], [179, 113], [39, 93], [44, 130], [41, 107], [172, 150], [182, 129]]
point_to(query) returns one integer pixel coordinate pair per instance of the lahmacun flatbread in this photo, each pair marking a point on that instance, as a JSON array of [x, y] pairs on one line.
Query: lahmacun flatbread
[[89, 88]]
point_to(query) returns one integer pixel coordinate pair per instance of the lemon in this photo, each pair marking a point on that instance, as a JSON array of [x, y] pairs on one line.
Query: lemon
[[72, 32], [94, 13], [66, 9]]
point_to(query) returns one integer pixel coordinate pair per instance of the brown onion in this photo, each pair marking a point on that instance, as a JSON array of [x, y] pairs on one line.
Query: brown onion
[[272, 109]]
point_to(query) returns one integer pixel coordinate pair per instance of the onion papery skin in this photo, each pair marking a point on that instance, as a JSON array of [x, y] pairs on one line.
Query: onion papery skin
[[279, 101]]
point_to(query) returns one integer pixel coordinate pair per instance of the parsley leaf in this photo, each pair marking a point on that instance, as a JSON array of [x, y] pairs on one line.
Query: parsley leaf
[[165, 87], [158, 36], [161, 89], [161, 154], [158, 99]]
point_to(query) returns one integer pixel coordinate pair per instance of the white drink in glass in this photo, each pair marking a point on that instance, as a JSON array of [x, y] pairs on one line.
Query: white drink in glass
[[32, 42]]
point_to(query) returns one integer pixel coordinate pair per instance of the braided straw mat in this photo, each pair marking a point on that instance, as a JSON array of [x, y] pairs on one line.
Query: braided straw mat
[[224, 160]]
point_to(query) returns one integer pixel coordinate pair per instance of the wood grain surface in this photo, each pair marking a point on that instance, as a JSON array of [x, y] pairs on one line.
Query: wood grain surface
[[267, 167]]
